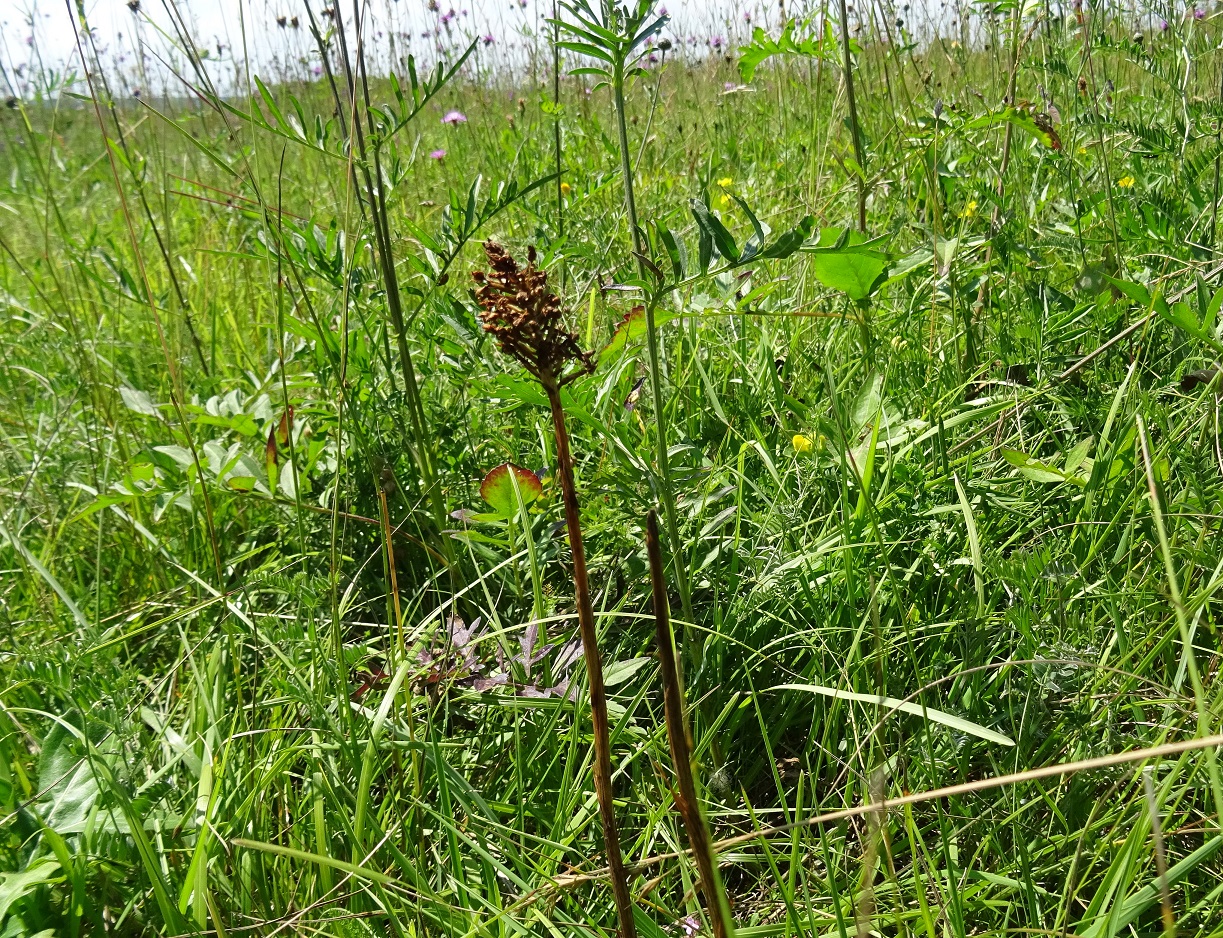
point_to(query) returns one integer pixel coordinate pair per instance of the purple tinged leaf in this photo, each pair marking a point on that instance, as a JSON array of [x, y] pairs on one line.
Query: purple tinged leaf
[[526, 641], [567, 655], [481, 684]]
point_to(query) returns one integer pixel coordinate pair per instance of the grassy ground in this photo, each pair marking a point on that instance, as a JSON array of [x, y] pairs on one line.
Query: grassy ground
[[272, 664]]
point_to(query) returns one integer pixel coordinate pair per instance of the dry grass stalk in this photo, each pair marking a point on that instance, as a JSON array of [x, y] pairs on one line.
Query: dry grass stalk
[[679, 739]]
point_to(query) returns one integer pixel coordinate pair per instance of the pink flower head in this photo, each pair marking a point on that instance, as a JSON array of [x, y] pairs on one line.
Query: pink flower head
[[454, 117], [1163, 26], [489, 39], [438, 155], [1199, 14]]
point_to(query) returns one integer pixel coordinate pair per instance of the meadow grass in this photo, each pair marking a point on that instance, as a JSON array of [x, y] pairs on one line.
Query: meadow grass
[[940, 499]]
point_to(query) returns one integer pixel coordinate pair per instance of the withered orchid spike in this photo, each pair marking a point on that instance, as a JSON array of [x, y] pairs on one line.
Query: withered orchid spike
[[526, 317]]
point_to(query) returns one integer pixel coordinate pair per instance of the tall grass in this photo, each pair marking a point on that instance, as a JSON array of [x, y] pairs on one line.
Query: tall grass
[[942, 496]]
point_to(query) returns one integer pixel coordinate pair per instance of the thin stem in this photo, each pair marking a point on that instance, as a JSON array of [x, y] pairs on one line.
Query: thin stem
[[556, 125], [651, 335], [594, 665], [859, 154]]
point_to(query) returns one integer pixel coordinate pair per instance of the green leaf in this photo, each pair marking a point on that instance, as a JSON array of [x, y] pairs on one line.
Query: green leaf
[[1037, 125], [67, 780], [866, 404], [674, 249], [138, 402], [792, 240], [620, 671], [1181, 316], [1147, 897], [722, 238], [906, 706], [850, 264], [16, 886], [763, 47], [1033, 468], [498, 488], [631, 327]]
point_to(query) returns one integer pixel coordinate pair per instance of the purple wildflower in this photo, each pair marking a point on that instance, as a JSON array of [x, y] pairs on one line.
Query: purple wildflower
[[716, 42], [454, 117], [1163, 26], [438, 155], [729, 86], [489, 39], [1199, 14]]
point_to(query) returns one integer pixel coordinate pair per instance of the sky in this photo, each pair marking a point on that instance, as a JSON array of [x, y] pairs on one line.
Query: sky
[[38, 36]]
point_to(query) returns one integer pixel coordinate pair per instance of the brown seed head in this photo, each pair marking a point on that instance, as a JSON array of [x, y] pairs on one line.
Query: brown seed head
[[526, 317]]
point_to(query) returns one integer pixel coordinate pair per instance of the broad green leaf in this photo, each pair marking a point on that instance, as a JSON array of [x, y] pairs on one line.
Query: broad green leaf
[[498, 488], [16, 886], [620, 671], [1033, 468], [138, 402], [857, 274], [1076, 456]]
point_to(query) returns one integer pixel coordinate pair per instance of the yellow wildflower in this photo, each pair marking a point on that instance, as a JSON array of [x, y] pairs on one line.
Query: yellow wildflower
[[566, 188], [1082, 151], [726, 182], [969, 210], [1126, 182], [802, 444], [725, 200]]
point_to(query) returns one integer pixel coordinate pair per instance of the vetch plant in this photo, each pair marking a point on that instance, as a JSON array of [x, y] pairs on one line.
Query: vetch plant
[[526, 318]]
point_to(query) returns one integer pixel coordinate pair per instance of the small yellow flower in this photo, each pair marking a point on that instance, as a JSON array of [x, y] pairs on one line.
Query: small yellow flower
[[725, 200], [1082, 151], [566, 188], [726, 182], [1126, 182], [802, 444], [969, 210]]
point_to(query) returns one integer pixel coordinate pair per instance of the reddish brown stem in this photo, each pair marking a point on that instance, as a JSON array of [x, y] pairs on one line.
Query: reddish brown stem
[[678, 737], [594, 665]]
